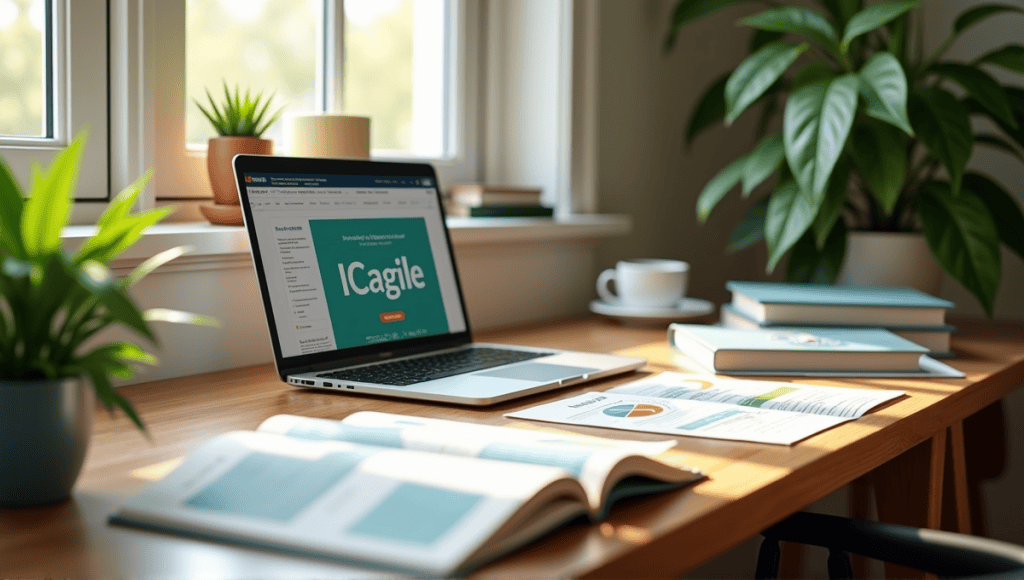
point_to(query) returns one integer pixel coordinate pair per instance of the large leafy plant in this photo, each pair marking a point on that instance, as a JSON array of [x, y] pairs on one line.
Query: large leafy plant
[[53, 303], [875, 134]]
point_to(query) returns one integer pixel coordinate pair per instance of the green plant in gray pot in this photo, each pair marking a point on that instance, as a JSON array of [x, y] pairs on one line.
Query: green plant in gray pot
[[53, 305], [875, 135]]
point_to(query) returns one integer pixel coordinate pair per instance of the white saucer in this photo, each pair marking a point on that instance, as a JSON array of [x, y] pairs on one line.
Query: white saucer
[[687, 308]]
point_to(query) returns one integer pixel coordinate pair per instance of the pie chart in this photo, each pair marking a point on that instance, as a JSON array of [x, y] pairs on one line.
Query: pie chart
[[634, 411]]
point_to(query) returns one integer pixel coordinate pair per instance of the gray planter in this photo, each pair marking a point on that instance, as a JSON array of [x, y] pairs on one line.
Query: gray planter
[[44, 432]]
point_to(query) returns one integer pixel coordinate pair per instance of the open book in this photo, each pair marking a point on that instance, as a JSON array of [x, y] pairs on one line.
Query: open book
[[426, 495], [713, 407]]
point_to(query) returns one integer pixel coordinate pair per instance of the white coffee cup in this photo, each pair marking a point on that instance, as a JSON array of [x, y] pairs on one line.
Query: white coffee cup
[[651, 283]]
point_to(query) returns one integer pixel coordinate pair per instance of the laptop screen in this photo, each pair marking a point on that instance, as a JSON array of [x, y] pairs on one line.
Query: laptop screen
[[351, 261]]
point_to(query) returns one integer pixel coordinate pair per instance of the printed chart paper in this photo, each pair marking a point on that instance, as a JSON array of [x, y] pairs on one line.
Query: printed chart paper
[[833, 401], [681, 417]]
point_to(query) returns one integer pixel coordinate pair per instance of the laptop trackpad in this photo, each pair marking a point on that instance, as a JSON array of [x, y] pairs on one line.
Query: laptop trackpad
[[537, 372]]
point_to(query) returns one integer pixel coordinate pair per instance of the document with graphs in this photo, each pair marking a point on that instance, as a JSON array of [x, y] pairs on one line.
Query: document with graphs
[[716, 408], [405, 493]]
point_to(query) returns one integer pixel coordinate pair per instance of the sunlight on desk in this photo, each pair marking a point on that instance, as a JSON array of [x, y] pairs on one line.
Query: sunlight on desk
[[157, 470], [630, 534]]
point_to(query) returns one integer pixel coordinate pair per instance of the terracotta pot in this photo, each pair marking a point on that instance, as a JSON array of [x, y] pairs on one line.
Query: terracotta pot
[[890, 259], [44, 432], [218, 163]]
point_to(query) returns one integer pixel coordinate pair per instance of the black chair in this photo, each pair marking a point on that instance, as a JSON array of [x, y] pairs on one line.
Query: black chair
[[945, 554]]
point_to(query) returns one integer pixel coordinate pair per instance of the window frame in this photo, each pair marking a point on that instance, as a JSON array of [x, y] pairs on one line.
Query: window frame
[[79, 102], [150, 90]]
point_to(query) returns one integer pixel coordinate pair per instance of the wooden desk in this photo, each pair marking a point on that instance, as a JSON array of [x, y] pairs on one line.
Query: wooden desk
[[751, 485]]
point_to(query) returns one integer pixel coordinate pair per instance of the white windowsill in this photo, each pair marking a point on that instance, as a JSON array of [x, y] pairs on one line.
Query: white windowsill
[[231, 242]]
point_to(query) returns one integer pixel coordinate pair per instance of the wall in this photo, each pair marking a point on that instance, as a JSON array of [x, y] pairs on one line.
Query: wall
[[644, 101], [505, 282]]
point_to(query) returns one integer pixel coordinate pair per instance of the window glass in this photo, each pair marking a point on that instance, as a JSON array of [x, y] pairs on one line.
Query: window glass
[[269, 47], [394, 59], [394, 63], [23, 57]]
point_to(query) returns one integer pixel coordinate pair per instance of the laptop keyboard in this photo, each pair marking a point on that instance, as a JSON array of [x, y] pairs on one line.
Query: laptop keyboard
[[406, 372]]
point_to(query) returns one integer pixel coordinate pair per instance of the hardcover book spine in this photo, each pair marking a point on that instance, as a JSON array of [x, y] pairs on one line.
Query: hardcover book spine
[[460, 210]]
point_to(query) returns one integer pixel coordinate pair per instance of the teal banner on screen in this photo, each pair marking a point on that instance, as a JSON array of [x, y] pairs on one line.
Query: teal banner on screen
[[379, 279]]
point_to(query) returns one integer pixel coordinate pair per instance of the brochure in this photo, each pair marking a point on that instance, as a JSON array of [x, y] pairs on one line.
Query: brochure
[[702, 406], [425, 495]]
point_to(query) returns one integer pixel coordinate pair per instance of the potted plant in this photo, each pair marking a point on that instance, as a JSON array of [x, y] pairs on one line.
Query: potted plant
[[53, 304], [240, 123], [875, 135]]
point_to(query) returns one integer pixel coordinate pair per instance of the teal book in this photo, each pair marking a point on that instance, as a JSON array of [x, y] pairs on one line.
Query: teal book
[[797, 350], [787, 303], [460, 210], [935, 338], [436, 498]]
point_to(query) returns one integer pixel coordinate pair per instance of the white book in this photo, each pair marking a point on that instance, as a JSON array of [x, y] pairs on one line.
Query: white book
[[404, 493], [797, 349], [805, 351], [935, 338]]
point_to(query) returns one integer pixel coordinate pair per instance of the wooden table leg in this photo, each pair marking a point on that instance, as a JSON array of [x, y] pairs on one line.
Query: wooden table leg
[[908, 491], [860, 509], [937, 475], [960, 490]]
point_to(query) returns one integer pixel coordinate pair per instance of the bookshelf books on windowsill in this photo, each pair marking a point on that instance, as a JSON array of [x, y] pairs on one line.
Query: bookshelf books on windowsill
[[407, 493], [478, 194], [535, 211], [481, 200]]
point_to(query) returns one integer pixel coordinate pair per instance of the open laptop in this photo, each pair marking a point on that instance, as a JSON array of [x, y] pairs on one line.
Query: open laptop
[[360, 290]]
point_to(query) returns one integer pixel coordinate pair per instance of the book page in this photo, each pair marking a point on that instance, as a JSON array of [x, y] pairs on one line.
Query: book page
[[833, 401], [681, 417], [404, 509], [589, 459]]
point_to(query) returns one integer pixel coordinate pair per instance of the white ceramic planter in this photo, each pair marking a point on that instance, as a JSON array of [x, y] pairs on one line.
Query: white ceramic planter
[[890, 259]]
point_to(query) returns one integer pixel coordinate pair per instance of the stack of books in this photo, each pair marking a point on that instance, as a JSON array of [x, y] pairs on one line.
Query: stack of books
[[908, 313], [480, 200], [775, 328]]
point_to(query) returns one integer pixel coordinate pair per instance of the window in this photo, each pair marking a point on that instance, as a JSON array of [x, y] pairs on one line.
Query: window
[[270, 47], [393, 52], [399, 62], [25, 33], [49, 66]]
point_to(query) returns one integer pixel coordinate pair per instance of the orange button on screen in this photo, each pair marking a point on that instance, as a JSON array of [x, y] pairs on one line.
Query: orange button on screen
[[395, 316]]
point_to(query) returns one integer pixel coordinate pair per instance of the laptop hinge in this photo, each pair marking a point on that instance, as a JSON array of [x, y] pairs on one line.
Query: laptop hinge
[[375, 357]]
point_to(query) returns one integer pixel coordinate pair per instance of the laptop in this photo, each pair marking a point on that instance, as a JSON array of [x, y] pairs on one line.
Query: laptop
[[360, 289]]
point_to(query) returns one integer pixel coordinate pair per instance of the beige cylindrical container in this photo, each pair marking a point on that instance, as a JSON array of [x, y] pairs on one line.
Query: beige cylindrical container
[[327, 135]]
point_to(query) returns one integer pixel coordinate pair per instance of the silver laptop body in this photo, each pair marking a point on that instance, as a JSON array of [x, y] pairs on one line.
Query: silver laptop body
[[359, 287]]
